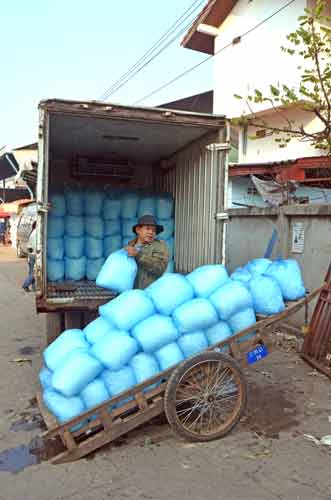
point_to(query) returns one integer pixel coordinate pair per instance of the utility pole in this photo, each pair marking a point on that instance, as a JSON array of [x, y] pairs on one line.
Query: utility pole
[[3, 149]]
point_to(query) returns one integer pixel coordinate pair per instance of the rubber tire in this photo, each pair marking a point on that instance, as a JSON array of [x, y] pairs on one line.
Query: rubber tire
[[170, 394]]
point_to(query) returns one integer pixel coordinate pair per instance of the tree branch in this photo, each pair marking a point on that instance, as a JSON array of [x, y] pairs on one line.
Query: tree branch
[[318, 67]]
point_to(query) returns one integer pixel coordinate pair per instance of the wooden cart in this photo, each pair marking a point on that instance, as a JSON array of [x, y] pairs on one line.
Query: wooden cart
[[203, 397]]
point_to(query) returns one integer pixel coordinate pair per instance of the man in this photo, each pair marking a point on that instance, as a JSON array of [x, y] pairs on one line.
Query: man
[[150, 253], [2, 231], [31, 246]]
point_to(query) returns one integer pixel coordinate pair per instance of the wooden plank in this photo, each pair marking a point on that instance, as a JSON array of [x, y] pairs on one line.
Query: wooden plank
[[316, 364], [69, 440], [131, 392], [291, 329], [141, 400], [48, 417], [103, 438], [106, 420], [235, 351]]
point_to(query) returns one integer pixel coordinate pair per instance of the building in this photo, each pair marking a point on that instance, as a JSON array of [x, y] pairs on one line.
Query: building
[[13, 163], [246, 38]]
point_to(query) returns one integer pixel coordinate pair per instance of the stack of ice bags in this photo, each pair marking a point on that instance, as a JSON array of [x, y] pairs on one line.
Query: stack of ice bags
[[142, 332], [85, 226]]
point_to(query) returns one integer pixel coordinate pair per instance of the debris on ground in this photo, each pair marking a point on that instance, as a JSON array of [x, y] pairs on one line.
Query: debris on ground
[[21, 360], [324, 440]]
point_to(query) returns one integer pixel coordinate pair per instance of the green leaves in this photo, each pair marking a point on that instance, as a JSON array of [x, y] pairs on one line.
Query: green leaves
[[274, 91]]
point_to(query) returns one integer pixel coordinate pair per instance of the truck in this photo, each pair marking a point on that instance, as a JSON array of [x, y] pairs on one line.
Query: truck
[[163, 150]]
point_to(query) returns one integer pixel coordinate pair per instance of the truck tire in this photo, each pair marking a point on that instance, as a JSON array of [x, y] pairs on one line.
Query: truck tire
[[54, 326]]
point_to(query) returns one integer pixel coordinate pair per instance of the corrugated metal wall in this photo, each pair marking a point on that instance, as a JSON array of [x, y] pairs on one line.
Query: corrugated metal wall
[[195, 185]]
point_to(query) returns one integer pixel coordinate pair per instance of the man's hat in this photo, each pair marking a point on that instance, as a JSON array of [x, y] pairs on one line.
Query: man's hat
[[148, 220]]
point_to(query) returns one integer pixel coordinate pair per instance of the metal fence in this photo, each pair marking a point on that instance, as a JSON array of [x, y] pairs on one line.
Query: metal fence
[[196, 181]]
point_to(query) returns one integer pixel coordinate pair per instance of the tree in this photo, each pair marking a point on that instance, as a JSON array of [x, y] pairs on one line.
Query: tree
[[311, 42]]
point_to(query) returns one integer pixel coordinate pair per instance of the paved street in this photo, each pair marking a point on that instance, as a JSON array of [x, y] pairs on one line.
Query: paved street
[[266, 457]]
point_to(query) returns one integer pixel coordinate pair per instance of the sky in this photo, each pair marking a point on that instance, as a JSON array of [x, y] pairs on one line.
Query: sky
[[76, 49]]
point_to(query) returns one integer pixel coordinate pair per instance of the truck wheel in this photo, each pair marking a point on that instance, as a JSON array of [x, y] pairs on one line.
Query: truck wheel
[[205, 397], [54, 326]]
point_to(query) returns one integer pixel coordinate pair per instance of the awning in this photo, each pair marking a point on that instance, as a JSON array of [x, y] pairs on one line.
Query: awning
[[8, 166]]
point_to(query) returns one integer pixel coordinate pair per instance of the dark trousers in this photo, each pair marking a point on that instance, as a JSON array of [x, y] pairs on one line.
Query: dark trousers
[[30, 279]]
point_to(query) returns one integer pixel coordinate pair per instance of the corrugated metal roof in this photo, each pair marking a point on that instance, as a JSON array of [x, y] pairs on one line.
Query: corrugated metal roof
[[32, 146]]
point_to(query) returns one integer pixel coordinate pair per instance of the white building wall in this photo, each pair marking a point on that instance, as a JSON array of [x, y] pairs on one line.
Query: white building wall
[[22, 155], [266, 149], [257, 60]]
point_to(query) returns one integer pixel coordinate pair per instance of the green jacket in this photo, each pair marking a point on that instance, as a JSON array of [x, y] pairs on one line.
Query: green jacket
[[152, 261]]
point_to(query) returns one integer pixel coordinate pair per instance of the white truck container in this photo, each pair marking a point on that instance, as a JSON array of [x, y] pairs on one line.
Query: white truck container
[[157, 149]]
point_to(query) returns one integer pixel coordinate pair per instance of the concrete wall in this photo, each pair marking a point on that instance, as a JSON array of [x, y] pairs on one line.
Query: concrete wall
[[257, 60], [247, 237], [249, 231]]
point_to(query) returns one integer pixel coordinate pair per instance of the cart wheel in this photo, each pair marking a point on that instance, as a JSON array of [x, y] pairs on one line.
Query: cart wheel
[[205, 396]]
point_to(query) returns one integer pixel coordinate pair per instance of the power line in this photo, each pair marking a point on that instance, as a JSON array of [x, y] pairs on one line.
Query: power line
[[192, 68], [135, 68], [171, 41]]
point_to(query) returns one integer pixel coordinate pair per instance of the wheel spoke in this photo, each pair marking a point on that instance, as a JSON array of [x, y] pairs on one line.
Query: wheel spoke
[[190, 398], [200, 415], [222, 376], [187, 417], [218, 377]]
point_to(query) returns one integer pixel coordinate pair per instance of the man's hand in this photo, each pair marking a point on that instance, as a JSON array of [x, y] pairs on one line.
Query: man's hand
[[132, 251]]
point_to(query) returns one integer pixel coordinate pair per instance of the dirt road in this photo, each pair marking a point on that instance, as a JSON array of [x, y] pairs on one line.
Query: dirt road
[[266, 457]]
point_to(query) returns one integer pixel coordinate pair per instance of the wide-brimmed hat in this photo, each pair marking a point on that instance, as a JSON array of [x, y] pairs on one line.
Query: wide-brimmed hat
[[148, 220]]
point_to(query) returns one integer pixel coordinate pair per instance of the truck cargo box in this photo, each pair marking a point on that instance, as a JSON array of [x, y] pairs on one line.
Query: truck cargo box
[[153, 149]]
